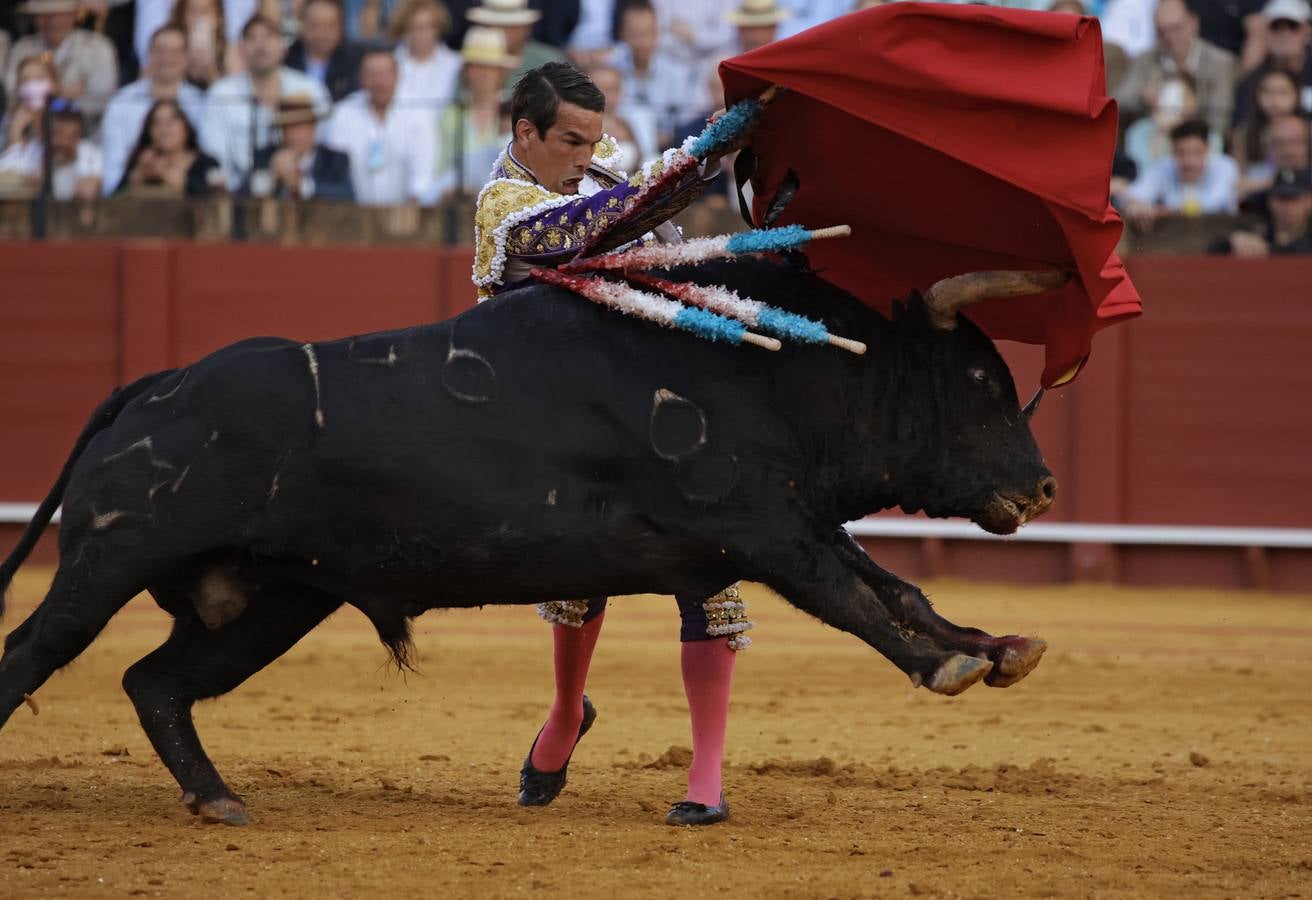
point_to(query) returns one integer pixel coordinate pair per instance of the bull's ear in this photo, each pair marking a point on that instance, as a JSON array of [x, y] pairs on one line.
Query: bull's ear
[[914, 313]]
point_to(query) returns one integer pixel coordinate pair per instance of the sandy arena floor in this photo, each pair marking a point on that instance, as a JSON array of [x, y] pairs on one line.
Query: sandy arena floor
[[1162, 749]]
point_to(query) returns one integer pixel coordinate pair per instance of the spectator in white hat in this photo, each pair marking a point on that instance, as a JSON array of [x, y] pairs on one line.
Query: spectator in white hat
[[87, 67], [1289, 26], [476, 130], [516, 20], [757, 22]]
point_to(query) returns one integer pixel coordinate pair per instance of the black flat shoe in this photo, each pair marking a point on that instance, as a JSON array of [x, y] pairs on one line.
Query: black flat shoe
[[540, 788], [686, 812]]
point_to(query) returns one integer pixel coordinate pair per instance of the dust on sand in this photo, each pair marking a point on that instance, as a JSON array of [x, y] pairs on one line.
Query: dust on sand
[[1162, 748]]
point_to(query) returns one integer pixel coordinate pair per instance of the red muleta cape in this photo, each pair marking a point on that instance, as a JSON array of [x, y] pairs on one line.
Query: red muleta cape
[[952, 139]]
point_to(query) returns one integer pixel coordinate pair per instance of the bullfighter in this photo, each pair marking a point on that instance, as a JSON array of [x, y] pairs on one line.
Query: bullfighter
[[552, 190]]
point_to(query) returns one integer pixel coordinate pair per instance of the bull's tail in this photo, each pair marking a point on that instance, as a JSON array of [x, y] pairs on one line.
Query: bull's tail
[[101, 419]]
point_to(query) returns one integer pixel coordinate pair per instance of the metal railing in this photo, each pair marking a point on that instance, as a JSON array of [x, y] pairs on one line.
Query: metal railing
[[271, 221]]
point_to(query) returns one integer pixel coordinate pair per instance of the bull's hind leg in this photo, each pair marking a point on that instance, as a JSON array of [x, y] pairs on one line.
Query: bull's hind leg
[[75, 610], [1013, 656], [196, 663]]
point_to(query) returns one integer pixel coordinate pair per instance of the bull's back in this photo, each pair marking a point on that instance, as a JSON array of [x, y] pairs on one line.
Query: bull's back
[[517, 432]]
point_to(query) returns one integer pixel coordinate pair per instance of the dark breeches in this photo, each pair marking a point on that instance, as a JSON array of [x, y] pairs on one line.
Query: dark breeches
[[693, 621]]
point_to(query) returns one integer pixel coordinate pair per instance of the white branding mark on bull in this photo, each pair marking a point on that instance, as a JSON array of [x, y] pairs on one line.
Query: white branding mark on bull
[[104, 520], [143, 444], [156, 398], [314, 373], [551, 497], [172, 486], [665, 435], [390, 360]]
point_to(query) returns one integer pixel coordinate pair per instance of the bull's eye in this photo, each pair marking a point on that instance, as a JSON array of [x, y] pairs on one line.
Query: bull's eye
[[979, 376]]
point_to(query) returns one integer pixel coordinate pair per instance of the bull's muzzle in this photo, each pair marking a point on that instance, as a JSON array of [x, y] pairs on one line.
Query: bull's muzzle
[[1044, 493], [1007, 512]]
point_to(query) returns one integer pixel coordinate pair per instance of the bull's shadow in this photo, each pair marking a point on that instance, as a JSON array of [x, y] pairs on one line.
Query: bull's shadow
[[536, 447]]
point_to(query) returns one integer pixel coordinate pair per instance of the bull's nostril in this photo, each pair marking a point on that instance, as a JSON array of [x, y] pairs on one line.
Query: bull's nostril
[[1048, 488]]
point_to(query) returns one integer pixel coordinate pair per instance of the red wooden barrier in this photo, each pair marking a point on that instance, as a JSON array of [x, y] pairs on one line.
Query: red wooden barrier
[[1198, 413]]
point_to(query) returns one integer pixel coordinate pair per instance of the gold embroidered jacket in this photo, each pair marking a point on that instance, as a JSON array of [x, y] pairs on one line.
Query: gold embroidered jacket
[[520, 224]]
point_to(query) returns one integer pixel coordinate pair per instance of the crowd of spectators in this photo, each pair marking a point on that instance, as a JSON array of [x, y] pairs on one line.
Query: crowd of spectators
[[395, 102]]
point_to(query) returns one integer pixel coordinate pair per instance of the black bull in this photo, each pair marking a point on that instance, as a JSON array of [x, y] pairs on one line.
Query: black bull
[[537, 447]]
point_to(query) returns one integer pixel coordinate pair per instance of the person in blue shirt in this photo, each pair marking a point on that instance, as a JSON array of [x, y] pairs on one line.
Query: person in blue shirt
[[1193, 181]]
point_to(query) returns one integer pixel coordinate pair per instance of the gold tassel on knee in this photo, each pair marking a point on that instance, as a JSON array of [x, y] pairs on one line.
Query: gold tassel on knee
[[564, 612], [726, 616]]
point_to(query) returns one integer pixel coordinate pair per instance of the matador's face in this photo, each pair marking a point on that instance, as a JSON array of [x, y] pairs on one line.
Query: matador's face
[[560, 158]]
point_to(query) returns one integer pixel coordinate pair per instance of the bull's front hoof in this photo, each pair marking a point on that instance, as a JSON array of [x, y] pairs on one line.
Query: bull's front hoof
[[1016, 658], [957, 674], [224, 811]]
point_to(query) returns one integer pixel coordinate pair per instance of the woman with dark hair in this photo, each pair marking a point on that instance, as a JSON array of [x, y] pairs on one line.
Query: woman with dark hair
[[1275, 94], [167, 159]]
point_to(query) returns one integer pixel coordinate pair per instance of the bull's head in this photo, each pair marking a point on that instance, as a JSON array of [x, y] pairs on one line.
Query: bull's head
[[968, 446]]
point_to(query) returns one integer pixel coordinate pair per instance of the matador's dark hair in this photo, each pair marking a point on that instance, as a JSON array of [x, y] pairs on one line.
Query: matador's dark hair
[[539, 93]]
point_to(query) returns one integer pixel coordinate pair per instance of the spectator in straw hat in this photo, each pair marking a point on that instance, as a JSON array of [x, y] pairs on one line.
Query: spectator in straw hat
[[474, 131], [516, 21], [85, 60], [757, 22], [298, 167], [227, 131]]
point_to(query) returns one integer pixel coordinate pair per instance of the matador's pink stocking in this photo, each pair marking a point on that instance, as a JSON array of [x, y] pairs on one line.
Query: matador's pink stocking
[[707, 677], [572, 654]]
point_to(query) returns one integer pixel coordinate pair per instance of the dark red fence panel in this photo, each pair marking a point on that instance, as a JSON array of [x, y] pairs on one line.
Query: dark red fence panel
[[1198, 413]]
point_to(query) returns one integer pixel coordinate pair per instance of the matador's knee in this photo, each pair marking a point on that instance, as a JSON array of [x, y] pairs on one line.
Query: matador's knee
[[574, 613], [721, 615]]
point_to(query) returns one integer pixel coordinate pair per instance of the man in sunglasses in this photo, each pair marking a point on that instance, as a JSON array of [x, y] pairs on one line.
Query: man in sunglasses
[[1289, 27]]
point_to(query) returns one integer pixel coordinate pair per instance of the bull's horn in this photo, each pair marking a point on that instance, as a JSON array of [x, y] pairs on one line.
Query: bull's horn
[[1033, 406], [949, 296]]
